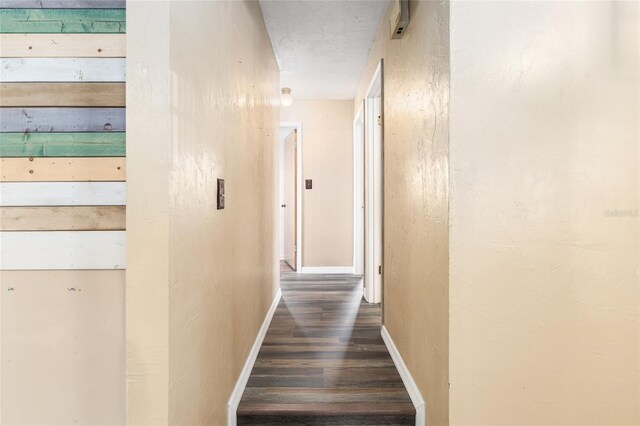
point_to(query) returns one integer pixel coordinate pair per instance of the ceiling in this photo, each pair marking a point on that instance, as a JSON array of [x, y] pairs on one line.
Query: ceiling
[[322, 47]]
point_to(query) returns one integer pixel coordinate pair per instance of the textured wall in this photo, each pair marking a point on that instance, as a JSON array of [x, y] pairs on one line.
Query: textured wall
[[213, 114], [148, 161], [544, 213], [327, 158], [416, 241], [62, 212], [223, 267]]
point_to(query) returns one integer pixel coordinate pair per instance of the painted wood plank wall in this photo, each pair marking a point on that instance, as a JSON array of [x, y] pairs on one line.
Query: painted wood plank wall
[[82, 218], [35, 119], [52, 250], [57, 169], [63, 194], [62, 215], [62, 94], [62, 21], [62, 45], [62, 4], [111, 144], [13, 70]]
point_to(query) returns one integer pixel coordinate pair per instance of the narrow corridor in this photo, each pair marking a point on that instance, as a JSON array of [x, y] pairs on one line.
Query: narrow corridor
[[323, 360]]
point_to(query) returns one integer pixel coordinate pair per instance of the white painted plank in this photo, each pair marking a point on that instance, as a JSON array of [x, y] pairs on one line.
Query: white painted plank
[[62, 69], [53, 250], [63, 194]]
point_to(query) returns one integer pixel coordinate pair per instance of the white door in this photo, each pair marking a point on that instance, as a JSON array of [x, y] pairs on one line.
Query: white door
[[289, 206]]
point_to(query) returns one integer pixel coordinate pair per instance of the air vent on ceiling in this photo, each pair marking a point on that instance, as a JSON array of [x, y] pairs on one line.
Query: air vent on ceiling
[[399, 18]]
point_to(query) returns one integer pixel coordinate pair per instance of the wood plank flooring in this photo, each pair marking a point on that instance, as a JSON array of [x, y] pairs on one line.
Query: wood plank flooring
[[323, 361]]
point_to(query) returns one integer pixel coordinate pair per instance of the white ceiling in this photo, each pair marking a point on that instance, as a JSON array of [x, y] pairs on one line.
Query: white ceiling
[[322, 47]]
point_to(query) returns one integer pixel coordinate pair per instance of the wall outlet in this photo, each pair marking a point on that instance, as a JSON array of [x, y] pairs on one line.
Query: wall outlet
[[308, 184]]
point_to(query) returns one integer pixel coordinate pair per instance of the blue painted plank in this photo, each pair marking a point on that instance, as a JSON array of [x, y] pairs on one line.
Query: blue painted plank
[[62, 120]]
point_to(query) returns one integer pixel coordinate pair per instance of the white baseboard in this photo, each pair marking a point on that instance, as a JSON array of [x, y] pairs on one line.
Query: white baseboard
[[412, 388], [326, 270], [238, 390]]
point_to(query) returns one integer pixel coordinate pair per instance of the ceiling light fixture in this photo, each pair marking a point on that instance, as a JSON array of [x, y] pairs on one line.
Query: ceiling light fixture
[[286, 99]]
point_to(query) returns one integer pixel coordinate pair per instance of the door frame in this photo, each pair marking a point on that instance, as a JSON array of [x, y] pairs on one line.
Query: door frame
[[358, 192], [372, 293], [298, 126]]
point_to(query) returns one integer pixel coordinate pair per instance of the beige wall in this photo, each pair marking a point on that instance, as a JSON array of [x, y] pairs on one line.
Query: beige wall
[[148, 163], [215, 274], [327, 158], [416, 148], [62, 351], [544, 281]]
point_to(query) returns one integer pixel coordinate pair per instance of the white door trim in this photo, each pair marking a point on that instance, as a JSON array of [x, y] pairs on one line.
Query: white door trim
[[245, 373], [372, 292], [327, 270], [358, 193], [407, 379], [299, 184]]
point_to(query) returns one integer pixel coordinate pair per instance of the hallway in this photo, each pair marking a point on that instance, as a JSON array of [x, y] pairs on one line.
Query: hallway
[[323, 360], [319, 212]]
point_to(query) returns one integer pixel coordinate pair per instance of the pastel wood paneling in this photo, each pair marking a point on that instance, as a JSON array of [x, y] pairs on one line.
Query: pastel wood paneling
[[62, 348], [62, 70], [62, 45], [57, 4], [62, 94], [81, 218], [62, 242], [111, 144], [35, 250], [63, 194], [69, 169], [62, 21], [36, 119]]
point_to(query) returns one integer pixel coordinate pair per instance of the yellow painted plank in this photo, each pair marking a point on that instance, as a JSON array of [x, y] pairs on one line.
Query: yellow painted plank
[[63, 45], [62, 94], [60, 169], [67, 218]]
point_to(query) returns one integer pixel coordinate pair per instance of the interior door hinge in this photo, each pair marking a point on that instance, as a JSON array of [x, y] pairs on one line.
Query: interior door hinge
[[379, 120], [295, 248], [380, 270]]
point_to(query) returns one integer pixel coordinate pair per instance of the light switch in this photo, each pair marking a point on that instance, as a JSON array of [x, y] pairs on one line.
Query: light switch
[[308, 184], [220, 194]]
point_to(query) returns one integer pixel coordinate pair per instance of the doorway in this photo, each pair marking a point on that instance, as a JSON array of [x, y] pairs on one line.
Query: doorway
[[290, 149], [369, 193]]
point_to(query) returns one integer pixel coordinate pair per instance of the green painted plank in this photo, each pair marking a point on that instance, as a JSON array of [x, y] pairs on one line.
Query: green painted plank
[[62, 21], [62, 144]]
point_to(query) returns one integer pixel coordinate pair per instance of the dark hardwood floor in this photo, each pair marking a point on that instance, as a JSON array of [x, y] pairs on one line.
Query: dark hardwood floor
[[323, 361]]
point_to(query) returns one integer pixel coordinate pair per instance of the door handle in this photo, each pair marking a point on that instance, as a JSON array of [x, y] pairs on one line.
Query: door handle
[[284, 205]]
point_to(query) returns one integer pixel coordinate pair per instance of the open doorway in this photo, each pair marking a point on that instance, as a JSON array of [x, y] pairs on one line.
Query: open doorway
[[369, 195], [290, 197]]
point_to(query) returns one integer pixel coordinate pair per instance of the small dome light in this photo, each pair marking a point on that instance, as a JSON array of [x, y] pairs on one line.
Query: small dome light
[[286, 99]]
